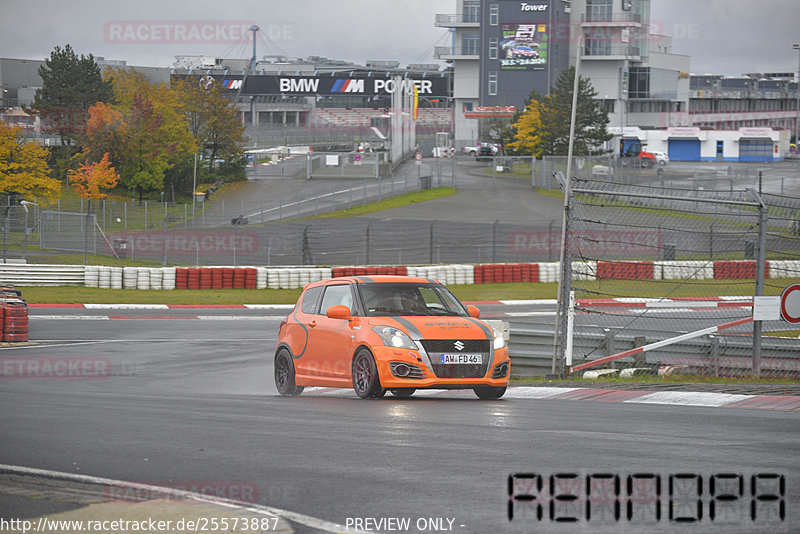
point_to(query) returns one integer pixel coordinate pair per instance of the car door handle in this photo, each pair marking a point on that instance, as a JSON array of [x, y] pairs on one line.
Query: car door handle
[[312, 324]]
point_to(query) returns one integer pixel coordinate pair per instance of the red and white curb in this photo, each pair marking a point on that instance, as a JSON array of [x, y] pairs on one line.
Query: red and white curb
[[673, 398]]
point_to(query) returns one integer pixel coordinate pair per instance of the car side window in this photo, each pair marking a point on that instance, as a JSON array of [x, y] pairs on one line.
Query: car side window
[[432, 300], [339, 294], [310, 300]]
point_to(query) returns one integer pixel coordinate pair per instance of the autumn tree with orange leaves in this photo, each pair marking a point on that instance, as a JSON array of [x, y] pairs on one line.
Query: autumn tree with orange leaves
[[91, 180]]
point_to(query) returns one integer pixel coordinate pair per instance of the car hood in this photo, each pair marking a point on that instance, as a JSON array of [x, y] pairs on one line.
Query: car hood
[[433, 327]]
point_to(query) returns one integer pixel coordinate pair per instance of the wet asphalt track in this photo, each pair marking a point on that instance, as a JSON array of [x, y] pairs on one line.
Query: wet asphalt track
[[193, 401]]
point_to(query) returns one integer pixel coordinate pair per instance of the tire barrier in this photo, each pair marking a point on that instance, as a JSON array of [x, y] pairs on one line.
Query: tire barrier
[[547, 272], [446, 274], [338, 272], [625, 270], [295, 277], [686, 270], [505, 273], [737, 270], [13, 314], [213, 278]]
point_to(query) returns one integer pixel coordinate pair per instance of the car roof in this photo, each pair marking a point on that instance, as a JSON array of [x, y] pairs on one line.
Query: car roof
[[379, 279]]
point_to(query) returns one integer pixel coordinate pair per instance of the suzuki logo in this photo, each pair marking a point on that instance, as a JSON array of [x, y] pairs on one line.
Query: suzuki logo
[[458, 345]]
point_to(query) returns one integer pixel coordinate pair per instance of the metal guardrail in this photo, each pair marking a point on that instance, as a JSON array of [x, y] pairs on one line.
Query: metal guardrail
[[531, 350]]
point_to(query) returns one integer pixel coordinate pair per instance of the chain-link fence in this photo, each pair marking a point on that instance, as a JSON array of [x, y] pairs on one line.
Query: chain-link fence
[[69, 232], [649, 264], [346, 241], [16, 233]]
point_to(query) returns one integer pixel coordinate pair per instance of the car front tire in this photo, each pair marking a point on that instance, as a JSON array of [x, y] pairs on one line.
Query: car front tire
[[284, 374], [489, 392], [403, 393], [366, 382]]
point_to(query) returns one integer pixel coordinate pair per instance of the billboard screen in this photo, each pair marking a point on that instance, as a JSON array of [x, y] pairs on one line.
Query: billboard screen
[[523, 46]]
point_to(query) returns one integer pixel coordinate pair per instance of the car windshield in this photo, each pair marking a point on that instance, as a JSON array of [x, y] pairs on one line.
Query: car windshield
[[409, 299]]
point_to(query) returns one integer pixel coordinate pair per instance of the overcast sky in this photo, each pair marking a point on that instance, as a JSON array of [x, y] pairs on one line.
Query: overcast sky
[[722, 36]]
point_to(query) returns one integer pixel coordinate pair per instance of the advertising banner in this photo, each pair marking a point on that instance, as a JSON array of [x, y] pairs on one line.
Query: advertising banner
[[325, 85], [523, 47]]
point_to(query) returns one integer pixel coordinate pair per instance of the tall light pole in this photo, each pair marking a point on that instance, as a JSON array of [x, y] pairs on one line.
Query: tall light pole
[[25, 204], [797, 92]]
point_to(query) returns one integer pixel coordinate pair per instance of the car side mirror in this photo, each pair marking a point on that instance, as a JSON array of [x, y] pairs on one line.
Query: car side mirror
[[473, 311], [339, 311]]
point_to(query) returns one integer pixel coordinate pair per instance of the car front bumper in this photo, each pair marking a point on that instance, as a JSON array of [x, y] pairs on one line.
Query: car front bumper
[[386, 356]]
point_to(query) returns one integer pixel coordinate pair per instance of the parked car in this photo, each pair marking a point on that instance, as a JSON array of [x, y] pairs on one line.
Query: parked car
[[485, 153], [473, 150], [661, 158], [394, 333]]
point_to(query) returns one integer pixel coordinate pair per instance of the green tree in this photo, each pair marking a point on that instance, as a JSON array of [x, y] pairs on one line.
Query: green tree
[[212, 118], [590, 123], [499, 131], [70, 86], [156, 134], [23, 166]]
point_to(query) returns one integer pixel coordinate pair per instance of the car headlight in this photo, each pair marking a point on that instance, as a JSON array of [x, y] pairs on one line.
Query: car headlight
[[392, 337], [499, 340]]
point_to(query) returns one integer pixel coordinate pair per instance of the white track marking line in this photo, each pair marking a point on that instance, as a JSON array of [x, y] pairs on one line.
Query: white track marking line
[[535, 392], [70, 317], [239, 317], [689, 398], [303, 519], [126, 306]]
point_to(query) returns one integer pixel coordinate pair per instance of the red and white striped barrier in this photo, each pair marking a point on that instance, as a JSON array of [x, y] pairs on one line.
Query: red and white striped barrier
[[294, 277]]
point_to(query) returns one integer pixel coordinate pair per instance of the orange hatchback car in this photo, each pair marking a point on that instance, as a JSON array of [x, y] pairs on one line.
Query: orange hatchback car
[[392, 333]]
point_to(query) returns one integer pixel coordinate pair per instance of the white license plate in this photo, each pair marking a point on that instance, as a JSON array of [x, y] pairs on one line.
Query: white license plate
[[469, 359]]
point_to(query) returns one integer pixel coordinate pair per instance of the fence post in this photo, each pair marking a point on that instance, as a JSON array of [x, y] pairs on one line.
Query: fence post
[[367, 241], [86, 233], [306, 247], [5, 234], [763, 221], [609, 343], [145, 215], [714, 354], [431, 244], [494, 240]]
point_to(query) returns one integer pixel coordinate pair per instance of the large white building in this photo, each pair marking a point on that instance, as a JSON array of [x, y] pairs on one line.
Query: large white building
[[503, 49]]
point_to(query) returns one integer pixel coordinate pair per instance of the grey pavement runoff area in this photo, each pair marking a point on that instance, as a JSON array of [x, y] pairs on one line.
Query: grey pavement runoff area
[[704, 387]]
